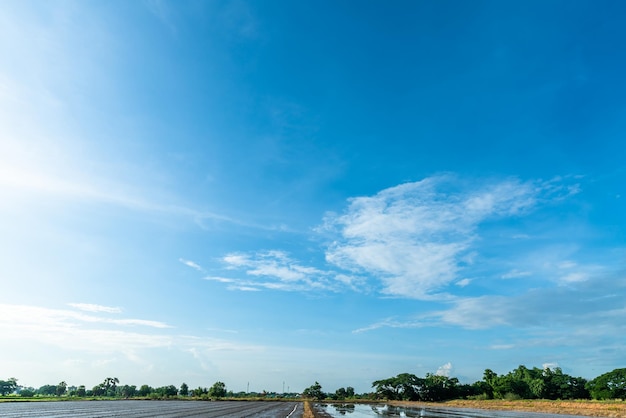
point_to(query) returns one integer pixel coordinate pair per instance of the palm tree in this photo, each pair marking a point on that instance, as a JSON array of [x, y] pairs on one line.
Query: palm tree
[[110, 383]]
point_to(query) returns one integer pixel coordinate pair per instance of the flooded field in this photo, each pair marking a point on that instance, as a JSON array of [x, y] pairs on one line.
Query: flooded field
[[369, 411], [145, 409]]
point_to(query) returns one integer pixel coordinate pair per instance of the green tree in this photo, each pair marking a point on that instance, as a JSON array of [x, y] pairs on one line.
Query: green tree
[[145, 390], [99, 390], [61, 389], [127, 391], [438, 388], [340, 394], [81, 392], [8, 386], [199, 391], [47, 390], [404, 386], [166, 391], [559, 385], [349, 392], [611, 385], [218, 390], [27, 393], [314, 392], [184, 390], [110, 384]]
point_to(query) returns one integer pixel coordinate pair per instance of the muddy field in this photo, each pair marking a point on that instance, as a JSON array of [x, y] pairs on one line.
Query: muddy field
[[139, 409]]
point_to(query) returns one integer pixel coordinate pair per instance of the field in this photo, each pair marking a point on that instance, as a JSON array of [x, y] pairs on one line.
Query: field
[[151, 409], [614, 409]]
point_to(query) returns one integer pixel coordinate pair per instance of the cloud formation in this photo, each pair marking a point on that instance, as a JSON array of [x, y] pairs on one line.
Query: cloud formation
[[275, 270], [418, 236], [90, 307], [191, 264]]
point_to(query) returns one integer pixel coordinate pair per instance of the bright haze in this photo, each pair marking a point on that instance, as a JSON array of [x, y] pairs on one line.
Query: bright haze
[[273, 193]]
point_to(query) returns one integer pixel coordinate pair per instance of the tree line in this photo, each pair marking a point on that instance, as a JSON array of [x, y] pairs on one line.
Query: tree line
[[111, 388], [520, 383]]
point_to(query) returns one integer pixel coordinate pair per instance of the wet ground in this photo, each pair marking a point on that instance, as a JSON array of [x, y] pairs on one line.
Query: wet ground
[[369, 411], [152, 409]]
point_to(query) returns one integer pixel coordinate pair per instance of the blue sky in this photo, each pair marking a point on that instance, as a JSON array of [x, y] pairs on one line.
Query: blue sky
[[276, 193]]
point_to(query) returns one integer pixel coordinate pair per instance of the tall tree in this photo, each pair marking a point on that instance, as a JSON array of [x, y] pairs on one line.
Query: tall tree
[[611, 385], [405, 386], [314, 392], [110, 383], [184, 390], [8, 386], [218, 390], [61, 389]]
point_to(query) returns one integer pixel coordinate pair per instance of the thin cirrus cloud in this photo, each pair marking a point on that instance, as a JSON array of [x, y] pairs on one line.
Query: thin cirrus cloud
[[191, 264], [90, 307], [275, 270]]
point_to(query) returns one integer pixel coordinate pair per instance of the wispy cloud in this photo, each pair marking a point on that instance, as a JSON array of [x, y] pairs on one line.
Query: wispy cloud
[[417, 236], [414, 240], [580, 307], [87, 332], [191, 264], [90, 307], [515, 274], [276, 270]]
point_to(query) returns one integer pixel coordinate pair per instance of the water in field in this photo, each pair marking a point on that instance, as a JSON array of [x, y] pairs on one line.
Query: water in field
[[370, 411]]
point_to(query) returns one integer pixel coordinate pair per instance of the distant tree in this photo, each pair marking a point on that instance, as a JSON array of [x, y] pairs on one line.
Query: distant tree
[[8, 386], [109, 384], [127, 391], [47, 390], [184, 390], [61, 389], [559, 385], [340, 394], [349, 392], [81, 392], [314, 392], [611, 385], [27, 393], [145, 390], [99, 390], [199, 391], [438, 388], [404, 386], [218, 390], [166, 391]]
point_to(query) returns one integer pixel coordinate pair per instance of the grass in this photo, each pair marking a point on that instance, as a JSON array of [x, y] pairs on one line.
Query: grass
[[613, 409]]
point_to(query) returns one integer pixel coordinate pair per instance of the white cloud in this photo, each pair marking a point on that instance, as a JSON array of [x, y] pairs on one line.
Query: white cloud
[[90, 307], [463, 282], [191, 264], [515, 274], [220, 279], [75, 331], [502, 346], [551, 366], [444, 370], [275, 270], [416, 236]]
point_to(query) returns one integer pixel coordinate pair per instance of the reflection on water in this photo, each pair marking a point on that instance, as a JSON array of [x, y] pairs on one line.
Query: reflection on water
[[377, 410]]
